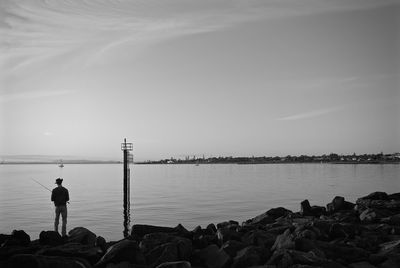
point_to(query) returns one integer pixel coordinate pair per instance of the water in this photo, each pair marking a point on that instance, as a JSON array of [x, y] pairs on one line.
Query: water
[[171, 194]]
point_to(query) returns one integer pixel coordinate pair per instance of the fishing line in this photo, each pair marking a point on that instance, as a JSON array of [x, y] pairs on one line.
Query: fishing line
[[41, 185]]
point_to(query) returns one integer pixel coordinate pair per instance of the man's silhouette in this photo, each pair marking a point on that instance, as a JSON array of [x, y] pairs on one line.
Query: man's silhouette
[[60, 197]]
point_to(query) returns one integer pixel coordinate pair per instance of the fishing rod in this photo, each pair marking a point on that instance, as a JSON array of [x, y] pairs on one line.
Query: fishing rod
[[41, 185], [44, 186]]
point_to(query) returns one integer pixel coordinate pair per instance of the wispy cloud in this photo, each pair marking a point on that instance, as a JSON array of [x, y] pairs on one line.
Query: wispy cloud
[[35, 31], [32, 95], [311, 114]]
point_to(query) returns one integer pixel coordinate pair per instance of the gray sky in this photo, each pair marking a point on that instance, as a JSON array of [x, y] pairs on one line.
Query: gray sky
[[199, 77]]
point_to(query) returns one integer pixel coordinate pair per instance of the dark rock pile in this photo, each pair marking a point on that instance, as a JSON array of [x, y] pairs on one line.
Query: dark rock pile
[[342, 234]]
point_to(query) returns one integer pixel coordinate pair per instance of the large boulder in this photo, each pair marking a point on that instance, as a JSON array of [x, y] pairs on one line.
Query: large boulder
[[284, 241], [259, 238], [338, 203], [164, 247], [390, 248], [82, 235], [212, 257], [308, 210], [250, 256], [379, 200], [167, 252], [334, 251], [374, 215], [226, 234], [17, 238], [123, 251], [140, 230], [50, 238], [89, 253], [232, 247], [269, 217], [376, 196]]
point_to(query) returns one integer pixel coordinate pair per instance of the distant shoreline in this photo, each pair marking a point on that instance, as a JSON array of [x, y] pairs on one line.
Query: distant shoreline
[[65, 163], [217, 163]]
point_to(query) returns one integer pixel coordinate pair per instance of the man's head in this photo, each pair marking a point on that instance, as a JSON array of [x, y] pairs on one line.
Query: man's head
[[59, 181]]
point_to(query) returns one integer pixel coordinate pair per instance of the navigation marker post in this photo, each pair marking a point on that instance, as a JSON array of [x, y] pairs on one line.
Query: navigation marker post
[[128, 157]]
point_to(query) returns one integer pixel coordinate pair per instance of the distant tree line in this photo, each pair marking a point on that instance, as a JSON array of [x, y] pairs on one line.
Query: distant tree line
[[325, 158]]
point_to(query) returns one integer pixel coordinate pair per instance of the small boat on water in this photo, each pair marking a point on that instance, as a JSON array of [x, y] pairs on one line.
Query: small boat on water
[[61, 165]]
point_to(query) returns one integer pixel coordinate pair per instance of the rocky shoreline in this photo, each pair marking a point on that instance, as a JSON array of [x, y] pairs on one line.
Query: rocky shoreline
[[340, 234]]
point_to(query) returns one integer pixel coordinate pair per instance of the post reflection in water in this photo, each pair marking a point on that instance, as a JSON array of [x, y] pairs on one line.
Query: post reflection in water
[[126, 147], [127, 217]]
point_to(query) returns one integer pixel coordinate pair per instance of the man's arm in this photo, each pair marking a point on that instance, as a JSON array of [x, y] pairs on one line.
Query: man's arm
[[67, 196], [52, 195]]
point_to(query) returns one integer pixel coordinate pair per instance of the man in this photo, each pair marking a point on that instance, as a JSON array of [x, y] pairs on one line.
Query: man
[[60, 197]]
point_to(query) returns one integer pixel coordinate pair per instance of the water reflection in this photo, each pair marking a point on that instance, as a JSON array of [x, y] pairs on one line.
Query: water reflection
[[127, 217]]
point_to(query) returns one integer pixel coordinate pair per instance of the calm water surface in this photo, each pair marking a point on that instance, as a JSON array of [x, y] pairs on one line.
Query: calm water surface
[[171, 194]]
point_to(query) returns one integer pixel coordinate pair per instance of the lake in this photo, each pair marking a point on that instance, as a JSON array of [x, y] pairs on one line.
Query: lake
[[171, 194]]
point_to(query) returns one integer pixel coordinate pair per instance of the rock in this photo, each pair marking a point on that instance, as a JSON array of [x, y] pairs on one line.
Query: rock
[[182, 231], [50, 238], [167, 252], [376, 196], [270, 216], [259, 238], [198, 231], [17, 238], [391, 205], [227, 224], [394, 220], [341, 230], [277, 230], [92, 254], [249, 256], [307, 233], [278, 212], [284, 241], [390, 248], [178, 264], [82, 235], [231, 247], [333, 251], [281, 258], [374, 215], [124, 250], [338, 203], [391, 262], [211, 229], [101, 243], [213, 257], [4, 238], [153, 240], [308, 210], [29, 261], [349, 216], [160, 247], [204, 241], [362, 264], [226, 234], [395, 196], [7, 251], [140, 230]]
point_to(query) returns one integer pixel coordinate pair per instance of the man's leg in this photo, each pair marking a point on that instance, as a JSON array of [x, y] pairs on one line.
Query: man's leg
[[64, 214], [57, 219]]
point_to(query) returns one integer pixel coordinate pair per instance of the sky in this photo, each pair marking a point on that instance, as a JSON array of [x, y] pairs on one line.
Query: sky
[[183, 77]]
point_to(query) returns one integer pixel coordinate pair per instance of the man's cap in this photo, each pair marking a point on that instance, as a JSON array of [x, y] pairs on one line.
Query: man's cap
[[59, 181]]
